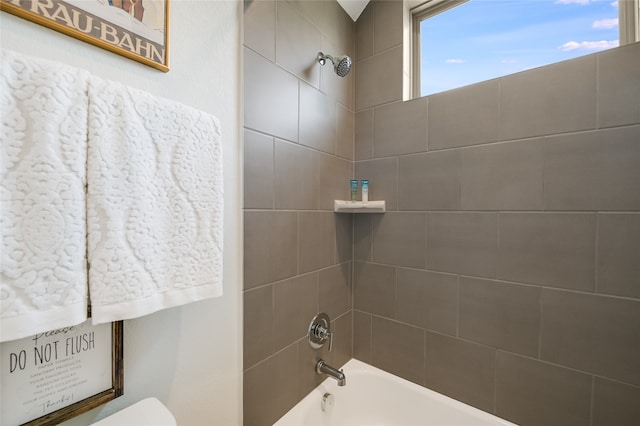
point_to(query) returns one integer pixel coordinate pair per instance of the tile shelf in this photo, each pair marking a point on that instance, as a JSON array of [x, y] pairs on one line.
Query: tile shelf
[[343, 206]]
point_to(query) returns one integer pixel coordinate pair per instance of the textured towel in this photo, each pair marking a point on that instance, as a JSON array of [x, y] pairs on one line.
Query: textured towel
[[43, 280], [154, 203]]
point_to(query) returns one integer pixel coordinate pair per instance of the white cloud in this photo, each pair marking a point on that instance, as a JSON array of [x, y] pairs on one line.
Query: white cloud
[[605, 24], [589, 45], [615, 4], [582, 2], [454, 61]]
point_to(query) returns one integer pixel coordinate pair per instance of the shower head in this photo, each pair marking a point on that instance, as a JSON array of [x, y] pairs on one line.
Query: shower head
[[341, 64]]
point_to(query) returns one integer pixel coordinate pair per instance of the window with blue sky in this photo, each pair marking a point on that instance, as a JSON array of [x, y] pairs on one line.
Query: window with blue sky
[[484, 39]]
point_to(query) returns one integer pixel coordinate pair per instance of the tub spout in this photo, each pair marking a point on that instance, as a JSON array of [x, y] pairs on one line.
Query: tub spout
[[324, 368]]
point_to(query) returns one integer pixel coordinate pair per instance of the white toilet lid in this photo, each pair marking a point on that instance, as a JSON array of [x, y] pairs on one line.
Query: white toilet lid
[[148, 412]]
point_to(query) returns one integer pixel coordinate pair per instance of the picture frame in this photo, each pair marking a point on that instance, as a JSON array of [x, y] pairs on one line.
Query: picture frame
[[55, 376], [136, 29]]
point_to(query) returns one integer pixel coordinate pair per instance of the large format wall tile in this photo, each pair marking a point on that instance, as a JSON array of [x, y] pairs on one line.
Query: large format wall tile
[[530, 392], [271, 388], [364, 33], [299, 149], [429, 181], [345, 132], [388, 24], [258, 325], [316, 240], [270, 246], [332, 21], [557, 98], [317, 119], [260, 27], [343, 238], [502, 315], [399, 239], [362, 238], [374, 289], [400, 128], [335, 290], [428, 300], [333, 174], [364, 135], [296, 183], [383, 180], [553, 249], [619, 254], [548, 197], [615, 403], [464, 243], [398, 348], [466, 116], [387, 67], [593, 171], [297, 43], [619, 86], [593, 333], [362, 336], [461, 370], [295, 302], [258, 171], [343, 339], [506, 176], [270, 98]]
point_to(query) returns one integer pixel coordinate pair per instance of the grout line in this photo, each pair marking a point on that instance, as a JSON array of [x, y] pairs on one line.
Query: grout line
[[593, 395], [397, 191], [395, 293], [298, 244], [597, 102], [273, 320], [595, 254], [593, 212], [500, 130], [498, 248], [498, 280], [541, 310], [495, 382], [373, 133], [496, 349], [458, 306], [273, 164], [522, 139]]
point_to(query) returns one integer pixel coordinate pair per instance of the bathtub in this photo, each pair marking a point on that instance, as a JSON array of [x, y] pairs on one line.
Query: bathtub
[[373, 397]]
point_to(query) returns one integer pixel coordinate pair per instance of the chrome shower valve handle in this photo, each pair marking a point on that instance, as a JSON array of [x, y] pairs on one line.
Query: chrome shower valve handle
[[320, 331]]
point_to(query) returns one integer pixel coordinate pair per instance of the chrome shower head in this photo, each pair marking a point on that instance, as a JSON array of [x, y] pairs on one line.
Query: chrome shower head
[[341, 64]]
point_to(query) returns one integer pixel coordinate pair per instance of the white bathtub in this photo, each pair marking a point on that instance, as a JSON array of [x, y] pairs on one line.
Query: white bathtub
[[373, 397]]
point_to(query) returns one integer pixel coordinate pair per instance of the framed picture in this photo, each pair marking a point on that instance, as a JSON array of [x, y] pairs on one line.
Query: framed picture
[[54, 376], [137, 29]]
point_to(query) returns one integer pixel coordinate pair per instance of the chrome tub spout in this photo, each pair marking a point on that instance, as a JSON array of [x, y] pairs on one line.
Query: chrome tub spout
[[324, 368]]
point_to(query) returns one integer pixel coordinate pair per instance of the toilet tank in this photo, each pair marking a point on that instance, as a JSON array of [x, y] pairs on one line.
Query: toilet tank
[[148, 412]]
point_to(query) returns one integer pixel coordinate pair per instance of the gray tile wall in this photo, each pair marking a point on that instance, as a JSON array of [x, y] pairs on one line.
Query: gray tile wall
[[298, 157], [506, 271]]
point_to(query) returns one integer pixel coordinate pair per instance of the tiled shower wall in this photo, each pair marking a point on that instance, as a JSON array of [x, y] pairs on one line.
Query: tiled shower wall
[[506, 271], [298, 151]]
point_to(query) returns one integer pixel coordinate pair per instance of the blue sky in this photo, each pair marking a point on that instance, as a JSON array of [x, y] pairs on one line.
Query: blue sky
[[484, 39]]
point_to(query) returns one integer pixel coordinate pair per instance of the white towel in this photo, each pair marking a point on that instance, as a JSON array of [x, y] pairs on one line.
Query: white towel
[[154, 205], [43, 279]]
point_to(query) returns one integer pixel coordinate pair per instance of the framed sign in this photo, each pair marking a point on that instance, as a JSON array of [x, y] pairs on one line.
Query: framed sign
[[137, 29], [54, 376]]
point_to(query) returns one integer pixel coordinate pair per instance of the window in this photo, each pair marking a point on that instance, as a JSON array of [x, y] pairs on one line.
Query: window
[[461, 42]]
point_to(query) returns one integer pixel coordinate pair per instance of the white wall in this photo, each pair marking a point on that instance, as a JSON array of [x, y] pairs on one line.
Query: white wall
[[189, 357]]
